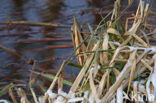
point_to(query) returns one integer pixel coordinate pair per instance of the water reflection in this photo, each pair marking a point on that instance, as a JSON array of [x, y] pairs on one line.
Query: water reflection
[[102, 8], [18, 10], [53, 11], [100, 3]]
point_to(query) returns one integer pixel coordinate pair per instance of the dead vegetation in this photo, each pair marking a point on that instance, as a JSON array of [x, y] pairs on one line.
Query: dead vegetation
[[114, 63]]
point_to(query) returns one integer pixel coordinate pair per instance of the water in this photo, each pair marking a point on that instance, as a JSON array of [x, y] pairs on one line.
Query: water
[[16, 69]]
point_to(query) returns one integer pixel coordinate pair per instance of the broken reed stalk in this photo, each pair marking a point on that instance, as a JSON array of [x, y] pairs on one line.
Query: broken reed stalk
[[12, 96], [55, 79], [34, 24], [49, 47], [38, 40], [19, 34], [51, 34], [10, 51]]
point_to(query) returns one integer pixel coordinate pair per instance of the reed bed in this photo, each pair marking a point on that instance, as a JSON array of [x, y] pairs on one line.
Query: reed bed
[[118, 64]]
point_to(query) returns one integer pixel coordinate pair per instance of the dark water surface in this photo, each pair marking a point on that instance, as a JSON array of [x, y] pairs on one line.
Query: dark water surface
[[15, 69]]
